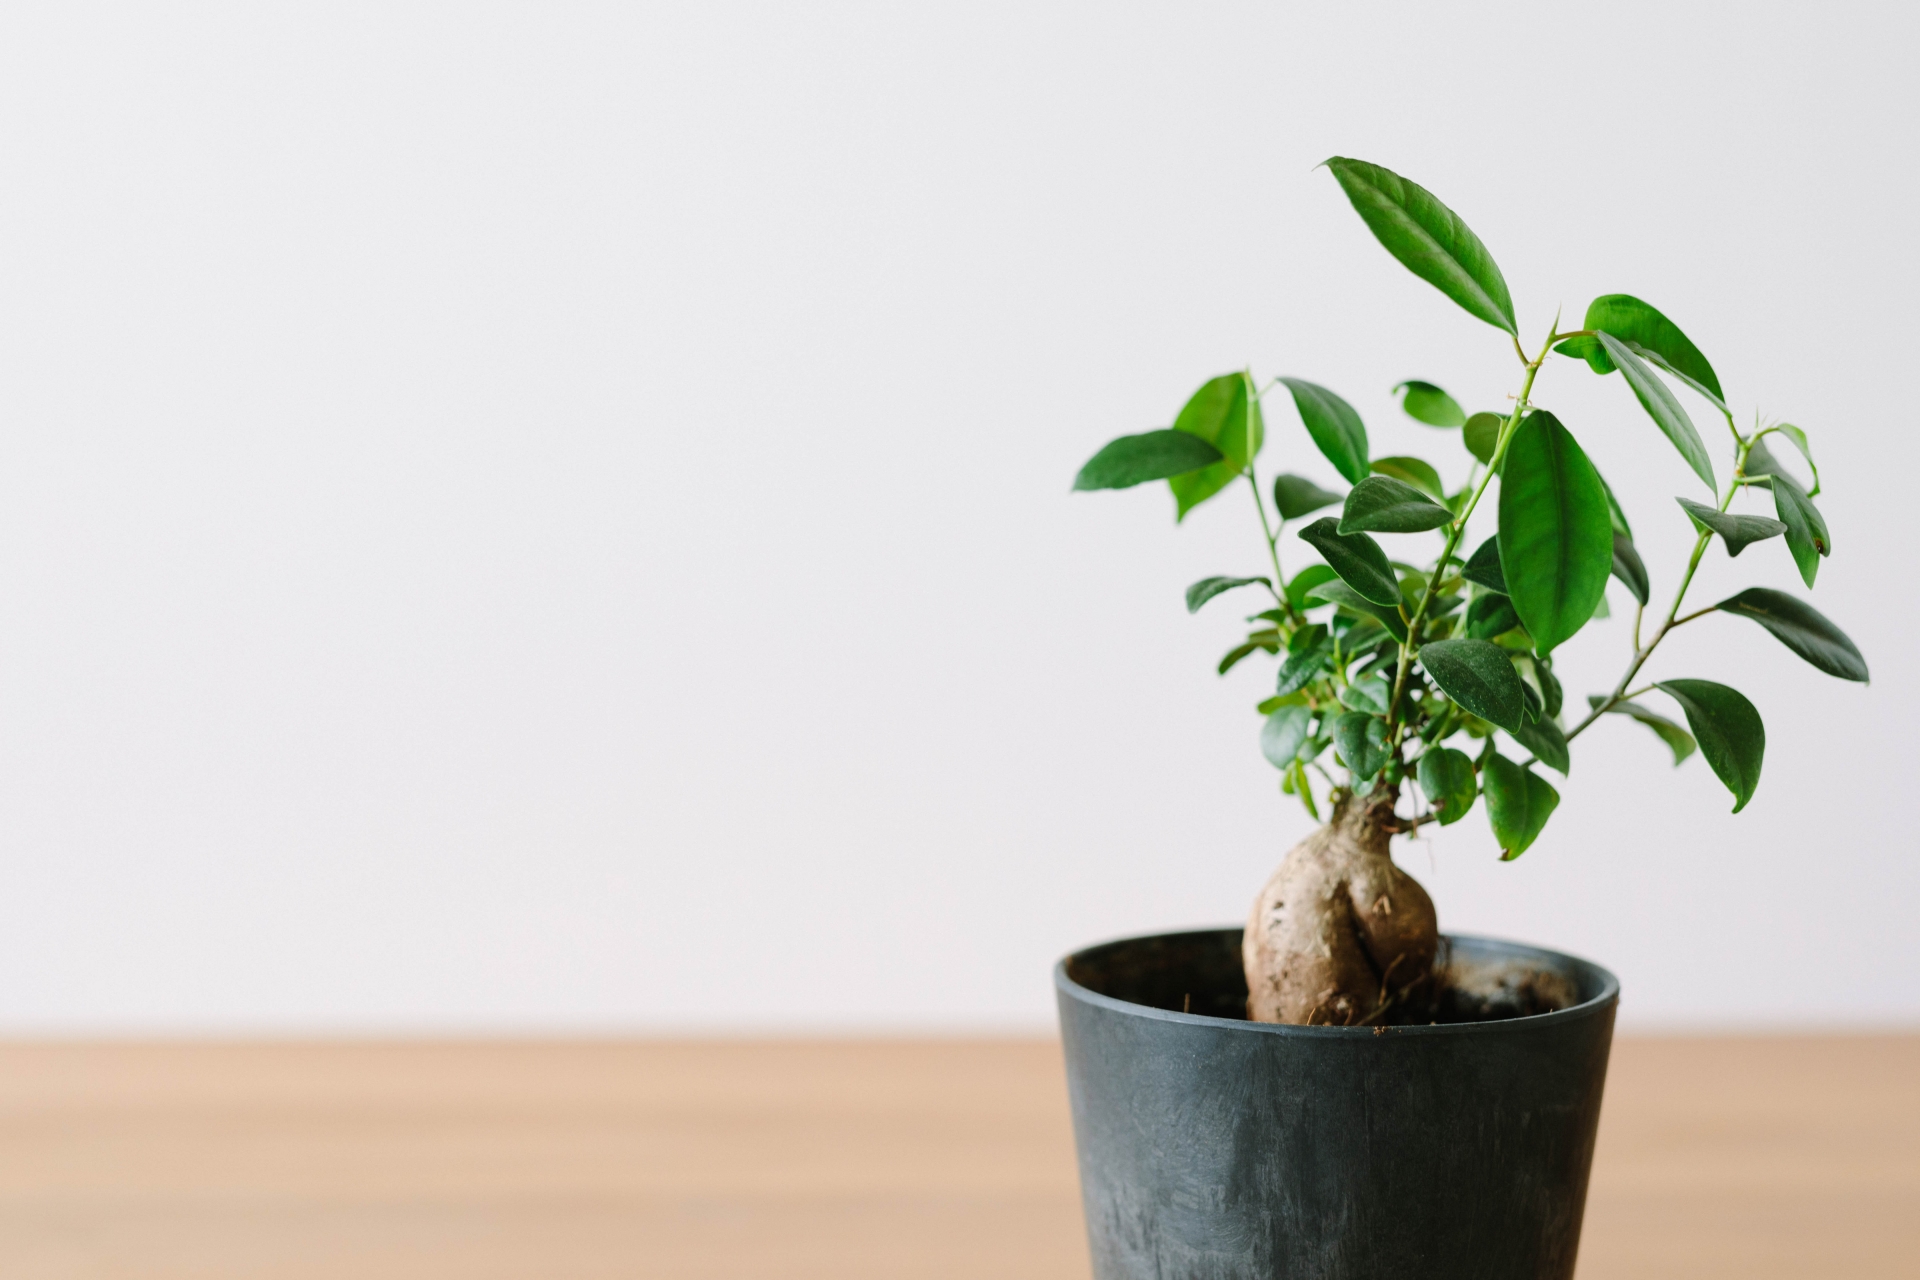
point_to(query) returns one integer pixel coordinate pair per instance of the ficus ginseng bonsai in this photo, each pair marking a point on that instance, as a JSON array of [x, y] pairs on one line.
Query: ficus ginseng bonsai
[[1384, 663]]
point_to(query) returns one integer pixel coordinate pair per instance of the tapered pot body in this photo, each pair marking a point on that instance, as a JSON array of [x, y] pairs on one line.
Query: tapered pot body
[[1212, 1148]]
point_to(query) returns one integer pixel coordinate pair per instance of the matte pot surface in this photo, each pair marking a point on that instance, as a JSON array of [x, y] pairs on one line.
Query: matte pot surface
[[1212, 1148]]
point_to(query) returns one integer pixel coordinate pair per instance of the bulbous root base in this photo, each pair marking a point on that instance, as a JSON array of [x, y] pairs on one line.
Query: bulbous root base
[[1340, 936]]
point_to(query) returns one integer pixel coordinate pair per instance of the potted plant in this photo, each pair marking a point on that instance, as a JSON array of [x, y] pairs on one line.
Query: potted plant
[[1340, 1090]]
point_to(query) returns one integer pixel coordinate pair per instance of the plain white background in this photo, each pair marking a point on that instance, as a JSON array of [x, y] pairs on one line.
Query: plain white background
[[524, 518]]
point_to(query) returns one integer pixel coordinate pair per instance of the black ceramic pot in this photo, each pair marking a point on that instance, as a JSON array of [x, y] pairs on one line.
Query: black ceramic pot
[[1212, 1148]]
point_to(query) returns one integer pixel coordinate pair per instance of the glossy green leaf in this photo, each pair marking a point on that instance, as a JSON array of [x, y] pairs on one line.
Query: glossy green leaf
[[1491, 615], [1381, 504], [1306, 580], [1547, 742], [1207, 588], [1802, 628], [1446, 775], [1428, 238], [1556, 543], [1665, 411], [1357, 558], [1631, 320], [1429, 404], [1807, 537], [1728, 729], [1483, 567], [1152, 455], [1678, 740], [1738, 532], [1629, 568], [1226, 414], [1296, 496], [1338, 592], [1413, 471], [1370, 694], [1336, 429], [1479, 677], [1519, 802], [1361, 740], [1481, 435], [1282, 734], [1306, 659]]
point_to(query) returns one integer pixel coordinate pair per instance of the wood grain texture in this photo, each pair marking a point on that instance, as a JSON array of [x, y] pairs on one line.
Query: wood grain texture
[[1749, 1158]]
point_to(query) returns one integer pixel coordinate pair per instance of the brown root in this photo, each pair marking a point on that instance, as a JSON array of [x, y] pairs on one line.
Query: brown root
[[1341, 936]]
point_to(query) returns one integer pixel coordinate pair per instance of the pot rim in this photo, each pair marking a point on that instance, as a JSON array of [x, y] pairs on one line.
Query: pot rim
[[1607, 996]]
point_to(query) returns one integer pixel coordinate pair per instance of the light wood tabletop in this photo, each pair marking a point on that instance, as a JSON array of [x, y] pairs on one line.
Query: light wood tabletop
[[1750, 1158]]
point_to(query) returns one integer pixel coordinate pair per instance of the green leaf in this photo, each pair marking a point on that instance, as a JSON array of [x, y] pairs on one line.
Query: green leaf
[[1381, 504], [1629, 568], [1799, 439], [1678, 740], [1336, 429], [1556, 543], [1601, 610], [1802, 628], [1239, 651], [1665, 411], [1737, 531], [1631, 320], [1226, 414], [1413, 471], [1306, 580], [1296, 496], [1361, 740], [1428, 239], [1615, 515], [1282, 734], [1338, 592], [1152, 455], [1728, 729], [1446, 775], [1479, 677], [1207, 588], [1481, 435], [1807, 536], [1544, 738], [1307, 655], [1483, 567], [1371, 694], [1357, 558], [1429, 404], [1491, 615], [1519, 802]]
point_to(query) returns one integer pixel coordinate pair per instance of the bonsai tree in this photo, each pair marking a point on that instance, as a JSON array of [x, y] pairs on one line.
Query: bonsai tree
[[1398, 672]]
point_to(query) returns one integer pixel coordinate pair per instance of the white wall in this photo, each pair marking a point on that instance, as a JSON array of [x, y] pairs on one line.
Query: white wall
[[523, 518]]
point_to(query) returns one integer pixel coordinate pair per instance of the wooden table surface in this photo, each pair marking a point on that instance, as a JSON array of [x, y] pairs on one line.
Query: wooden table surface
[[1750, 1158]]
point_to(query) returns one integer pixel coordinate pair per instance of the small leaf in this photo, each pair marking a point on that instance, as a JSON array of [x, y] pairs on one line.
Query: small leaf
[[1799, 439], [1629, 568], [1491, 615], [1413, 471], [1631, 320], [1802, 628], [1381, 504], [1483, 567], [1296, 496], [1428, 238], [1361, 740], [1806, 528], [1481, 435], [1336, 429], [1346, 597], [1728, 729], [1303, 665], [1429, 404], [1282, 734], [1479, 677], [1519, 802], [1371, 694], [1446, 775], [1544, 738], [1152, 455], [1226, 414], [1207, 588], [1556, 543], [1677, 739], [1737, 531], [1306, 580], [1665, 411], [1357, 558], [1239, 651]]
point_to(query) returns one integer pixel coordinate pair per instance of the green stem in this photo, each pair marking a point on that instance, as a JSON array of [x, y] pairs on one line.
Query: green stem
[[1273, 549]]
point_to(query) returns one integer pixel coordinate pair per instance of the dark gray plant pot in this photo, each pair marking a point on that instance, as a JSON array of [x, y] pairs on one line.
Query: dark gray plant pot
[[1212, 1148]]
